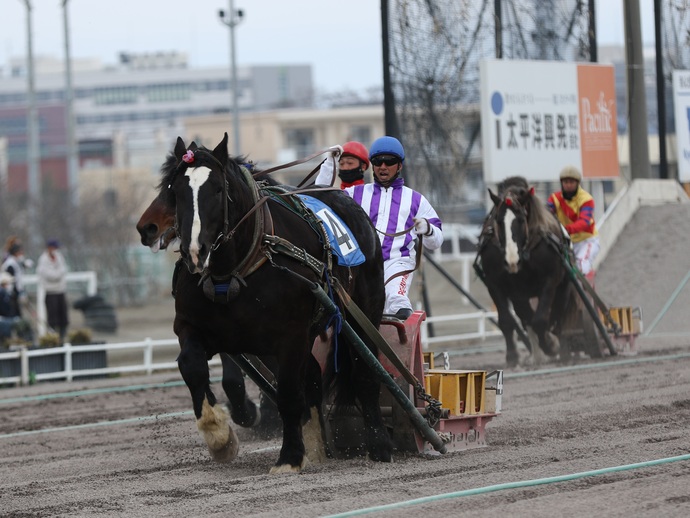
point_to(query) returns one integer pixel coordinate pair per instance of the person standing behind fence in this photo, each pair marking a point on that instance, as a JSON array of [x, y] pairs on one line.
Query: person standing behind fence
[[52, 275], [14, 264]]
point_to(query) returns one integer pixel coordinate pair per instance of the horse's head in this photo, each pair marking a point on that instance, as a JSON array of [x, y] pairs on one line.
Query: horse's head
[[156, 225], [210, 196], [511, 223]]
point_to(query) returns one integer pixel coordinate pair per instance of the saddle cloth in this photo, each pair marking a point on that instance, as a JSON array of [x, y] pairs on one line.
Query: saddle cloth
[[343, 243]]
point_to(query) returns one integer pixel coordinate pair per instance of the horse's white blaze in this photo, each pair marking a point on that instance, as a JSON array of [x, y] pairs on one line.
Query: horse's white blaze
[[512, 254], [197, 178]]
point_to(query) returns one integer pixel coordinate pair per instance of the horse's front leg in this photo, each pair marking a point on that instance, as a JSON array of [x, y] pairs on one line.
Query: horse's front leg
[[242, 410], [506, 323], [211, 418], [291, 405], [541, 322]]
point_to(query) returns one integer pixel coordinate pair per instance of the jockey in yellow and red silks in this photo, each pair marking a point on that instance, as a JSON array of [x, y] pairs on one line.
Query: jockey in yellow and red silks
[[574, 208]]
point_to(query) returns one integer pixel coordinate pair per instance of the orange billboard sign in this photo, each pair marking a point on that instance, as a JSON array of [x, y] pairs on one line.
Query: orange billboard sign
[[598, 131]]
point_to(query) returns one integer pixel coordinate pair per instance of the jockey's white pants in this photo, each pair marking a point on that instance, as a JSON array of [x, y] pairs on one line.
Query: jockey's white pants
[[397, 289], [585, 253]]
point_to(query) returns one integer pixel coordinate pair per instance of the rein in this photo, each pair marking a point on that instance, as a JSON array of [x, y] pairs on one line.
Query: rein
[[417, 249]]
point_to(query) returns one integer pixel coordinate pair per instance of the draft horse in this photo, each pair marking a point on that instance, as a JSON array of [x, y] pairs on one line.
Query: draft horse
[[254, 248], [156, 226], [519, 258]]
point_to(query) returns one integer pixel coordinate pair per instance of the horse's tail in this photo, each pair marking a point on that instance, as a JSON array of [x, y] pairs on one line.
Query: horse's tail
[[345, 376], [339, 373]]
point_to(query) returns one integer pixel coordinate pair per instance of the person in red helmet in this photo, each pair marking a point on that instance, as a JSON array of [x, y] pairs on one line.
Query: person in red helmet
[[353, 161]]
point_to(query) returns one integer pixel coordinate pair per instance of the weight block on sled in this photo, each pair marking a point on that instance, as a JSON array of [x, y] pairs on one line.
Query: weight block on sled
[[428, 359], [624, 317], [459, 391]]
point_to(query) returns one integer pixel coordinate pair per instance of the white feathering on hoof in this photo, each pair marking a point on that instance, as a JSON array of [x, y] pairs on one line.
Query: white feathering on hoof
[[287, 468], [313, 439], [214, 427]]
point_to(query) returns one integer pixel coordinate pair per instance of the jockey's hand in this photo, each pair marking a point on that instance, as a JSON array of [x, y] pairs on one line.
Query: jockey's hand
[[422, 227], [335, 151]]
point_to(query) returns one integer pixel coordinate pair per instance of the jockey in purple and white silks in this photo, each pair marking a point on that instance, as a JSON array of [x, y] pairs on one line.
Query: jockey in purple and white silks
[[393, 208]]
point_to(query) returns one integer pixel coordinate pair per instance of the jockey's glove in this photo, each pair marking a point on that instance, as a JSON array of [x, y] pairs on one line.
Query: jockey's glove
[[335, 151], [422, 227]]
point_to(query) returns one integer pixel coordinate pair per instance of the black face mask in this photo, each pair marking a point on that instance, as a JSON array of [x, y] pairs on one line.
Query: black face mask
[[351, 175], [570, 195]]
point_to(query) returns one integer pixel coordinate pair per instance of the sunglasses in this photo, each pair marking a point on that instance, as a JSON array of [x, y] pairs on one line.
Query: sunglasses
[[389, 161]]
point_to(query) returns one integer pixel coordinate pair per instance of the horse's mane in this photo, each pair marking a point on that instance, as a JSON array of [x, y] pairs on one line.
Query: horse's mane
[[169, 167]]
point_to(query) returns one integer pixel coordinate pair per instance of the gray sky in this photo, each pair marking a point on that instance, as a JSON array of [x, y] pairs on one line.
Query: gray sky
[[328, 34]]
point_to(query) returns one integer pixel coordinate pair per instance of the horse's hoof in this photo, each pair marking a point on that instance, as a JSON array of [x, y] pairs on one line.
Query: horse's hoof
[[217, 433], [279, 469], [315, 450], [380, 456], [228, 452], [512, 359], [552, 345], [250, 417]]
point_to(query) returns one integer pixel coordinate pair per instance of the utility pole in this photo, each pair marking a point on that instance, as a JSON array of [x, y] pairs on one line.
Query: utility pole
[[660, 91], [637, 103], [34, 152], [389, 113], [72, 152], [233, 19]]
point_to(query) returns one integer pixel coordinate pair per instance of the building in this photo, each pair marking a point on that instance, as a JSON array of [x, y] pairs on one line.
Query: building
[[127, 115]]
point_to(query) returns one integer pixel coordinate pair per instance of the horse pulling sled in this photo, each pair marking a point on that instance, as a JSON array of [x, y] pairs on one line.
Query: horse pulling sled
[[255, 267], [526, 262]]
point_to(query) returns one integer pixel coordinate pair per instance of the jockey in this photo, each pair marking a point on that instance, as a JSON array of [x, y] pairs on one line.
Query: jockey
[[353, 162], [574, 208], [394, 208]]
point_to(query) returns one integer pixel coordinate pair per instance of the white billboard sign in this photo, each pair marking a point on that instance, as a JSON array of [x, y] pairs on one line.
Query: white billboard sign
[[538, 117]]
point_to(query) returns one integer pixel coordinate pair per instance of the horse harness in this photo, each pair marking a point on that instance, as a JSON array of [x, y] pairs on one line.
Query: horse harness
[[265, 243], [489, 234]]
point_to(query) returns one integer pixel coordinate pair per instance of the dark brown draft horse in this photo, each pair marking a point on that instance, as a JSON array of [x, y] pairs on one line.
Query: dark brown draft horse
[[255, 249], [156, 226], [519, 255]]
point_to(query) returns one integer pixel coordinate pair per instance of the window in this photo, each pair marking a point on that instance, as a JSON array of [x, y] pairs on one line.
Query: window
[[301, 140]]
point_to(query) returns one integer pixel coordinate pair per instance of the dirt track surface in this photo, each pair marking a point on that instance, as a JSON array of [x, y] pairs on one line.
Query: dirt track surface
[[145, 457]]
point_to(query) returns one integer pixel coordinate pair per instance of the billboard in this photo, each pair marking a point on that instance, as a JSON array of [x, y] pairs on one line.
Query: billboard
[[539, 116], [681, 101]]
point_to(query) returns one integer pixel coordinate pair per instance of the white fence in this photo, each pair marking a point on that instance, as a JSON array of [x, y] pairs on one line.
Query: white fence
[[146, 366]]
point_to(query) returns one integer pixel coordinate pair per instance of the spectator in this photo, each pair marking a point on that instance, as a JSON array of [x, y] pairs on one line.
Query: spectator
[[574, 208], [394, 208], [52, 275], [14, 264], [7, 308]]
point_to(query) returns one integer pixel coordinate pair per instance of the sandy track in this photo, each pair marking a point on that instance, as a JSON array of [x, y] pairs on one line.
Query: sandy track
[[552, 425]]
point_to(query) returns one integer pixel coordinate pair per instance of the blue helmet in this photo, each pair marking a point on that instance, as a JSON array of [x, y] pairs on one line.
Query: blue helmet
[[387, 146]]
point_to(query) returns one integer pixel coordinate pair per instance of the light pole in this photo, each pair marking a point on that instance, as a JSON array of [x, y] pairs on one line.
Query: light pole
[[232, 19], [72, 154], [33, 155]]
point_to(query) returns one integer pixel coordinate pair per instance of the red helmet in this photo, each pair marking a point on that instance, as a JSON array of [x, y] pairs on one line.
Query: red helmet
[[357, 150]]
